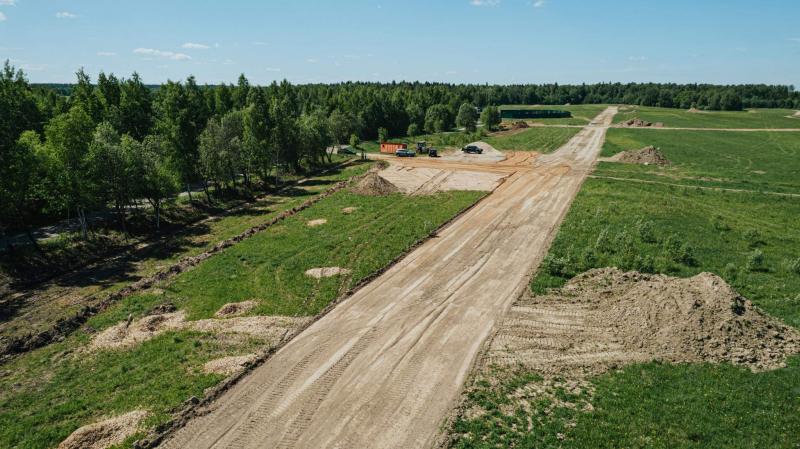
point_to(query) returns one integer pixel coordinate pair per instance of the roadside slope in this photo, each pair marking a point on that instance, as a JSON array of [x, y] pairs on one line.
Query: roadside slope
[[384, 367]]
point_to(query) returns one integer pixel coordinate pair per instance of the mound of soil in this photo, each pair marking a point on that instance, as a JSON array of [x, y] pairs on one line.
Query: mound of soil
[[326, 272], [639, 123], [607, 318], [374, 185], [695, 111], [520, 125], [348, 210], [228, 365], [648, 155], [796, 114], [317, 222], [235, 308], [106, 433]]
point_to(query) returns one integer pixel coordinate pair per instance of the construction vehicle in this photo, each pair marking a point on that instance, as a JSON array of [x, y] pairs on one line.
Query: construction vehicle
[[422, 147], [432, 152]]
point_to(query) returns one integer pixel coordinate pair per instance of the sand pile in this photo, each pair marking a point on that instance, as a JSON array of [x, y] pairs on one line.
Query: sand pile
[[125, 334], [228, 365], [639, 123], [648, 155], [607, 318], [796, 114], [235, 308], [374, 185], [317, 222], [348, 210], [695, 111], [520, 125], [326, 272], [106, 433]]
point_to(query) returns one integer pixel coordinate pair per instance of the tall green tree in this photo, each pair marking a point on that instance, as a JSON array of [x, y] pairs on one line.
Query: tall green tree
[[256, 149], [135, 108], [159, 180], [490, 116], [467, 117]]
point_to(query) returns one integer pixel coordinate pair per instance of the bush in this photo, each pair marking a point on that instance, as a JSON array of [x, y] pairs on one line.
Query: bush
[[720, 224], [730, 272], [645, 264], [589, 258], [556, 266], [793, 266], [646, 230], [755, 261], [753, 238], [603, 242], [686, 255]]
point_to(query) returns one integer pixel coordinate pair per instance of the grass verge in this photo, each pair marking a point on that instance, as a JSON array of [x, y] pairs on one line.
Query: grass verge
[[49, 392], [679, 118]]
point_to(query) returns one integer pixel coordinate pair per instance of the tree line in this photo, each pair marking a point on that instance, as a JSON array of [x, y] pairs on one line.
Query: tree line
[[109, 142]]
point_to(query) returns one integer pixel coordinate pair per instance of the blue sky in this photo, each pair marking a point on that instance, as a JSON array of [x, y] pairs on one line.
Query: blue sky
[[478, 41]]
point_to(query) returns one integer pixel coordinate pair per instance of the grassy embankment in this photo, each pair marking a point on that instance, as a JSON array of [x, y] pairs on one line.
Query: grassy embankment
[[679, 231], [48, 393]]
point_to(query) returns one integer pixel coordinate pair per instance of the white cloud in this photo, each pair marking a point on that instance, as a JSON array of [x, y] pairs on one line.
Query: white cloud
[[106, 53], [484, 2], [272, 69], [2, 17], [538, 3], [66, 15], [162, 54], [195, 46], [8, 2]]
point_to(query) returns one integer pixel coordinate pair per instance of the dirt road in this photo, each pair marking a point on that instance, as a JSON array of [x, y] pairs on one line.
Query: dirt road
[[383, 368]]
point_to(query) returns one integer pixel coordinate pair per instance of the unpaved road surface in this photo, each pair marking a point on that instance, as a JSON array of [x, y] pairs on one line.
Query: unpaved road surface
[[384, 367]]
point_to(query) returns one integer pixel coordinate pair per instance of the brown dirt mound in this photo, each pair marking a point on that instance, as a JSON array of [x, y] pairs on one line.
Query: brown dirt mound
[[520, 125], [228, 365], [125, 335], [349, 210], [106, 433], [648, 155], [606, 318], [326, 272], [374, 185], [695, 111], [796, 114], [235, 308], [639, 123], [317, 222]]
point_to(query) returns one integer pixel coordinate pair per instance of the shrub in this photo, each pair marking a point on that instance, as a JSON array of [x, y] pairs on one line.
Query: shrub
[[646, 230], [730, 272], [755, 261], [720, 224], [793, 266], [686, 255], [603, 242], [753, 238], [556, 266], [645, 264], [589, 258]]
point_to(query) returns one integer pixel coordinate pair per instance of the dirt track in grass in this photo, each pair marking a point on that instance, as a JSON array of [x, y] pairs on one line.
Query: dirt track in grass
[[384, 367]]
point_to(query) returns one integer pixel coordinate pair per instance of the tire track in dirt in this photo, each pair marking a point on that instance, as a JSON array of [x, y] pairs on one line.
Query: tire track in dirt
[[426, 318]]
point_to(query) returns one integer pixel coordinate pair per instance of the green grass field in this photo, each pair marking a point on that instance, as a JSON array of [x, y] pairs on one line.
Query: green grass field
[[765, 161], [680, 231], [543, 140], [679, 118], [47, 393], [582, 114]]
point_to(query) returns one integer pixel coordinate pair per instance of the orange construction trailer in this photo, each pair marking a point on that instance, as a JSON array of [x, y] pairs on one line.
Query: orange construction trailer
[[389, 147]]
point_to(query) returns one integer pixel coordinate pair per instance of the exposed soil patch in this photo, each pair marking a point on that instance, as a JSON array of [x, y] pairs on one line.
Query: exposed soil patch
[[104, 434], [648, 155], [695, 111], [607, 318], [326, 272], [229, 365], [317, 222], [374, 185], [429, 180], [639, 123], [235, 308], [349, 210], [130, 333], [796, 114]]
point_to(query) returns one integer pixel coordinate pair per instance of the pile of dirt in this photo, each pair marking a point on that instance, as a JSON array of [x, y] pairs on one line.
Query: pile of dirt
[[228, 365], [326, 272], [521, 124], [317, 222], [639, 123], [695, 111], [104, 434], [235, 308], [796, 114], [349, 210], [648, 155], [607, 318], [133, 332], [374, 185]]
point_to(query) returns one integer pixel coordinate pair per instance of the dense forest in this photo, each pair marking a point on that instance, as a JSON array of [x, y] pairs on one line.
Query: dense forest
[[107, 143]]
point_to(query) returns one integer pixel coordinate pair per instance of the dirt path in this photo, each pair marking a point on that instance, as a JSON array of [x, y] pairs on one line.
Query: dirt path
[[384, 367]]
